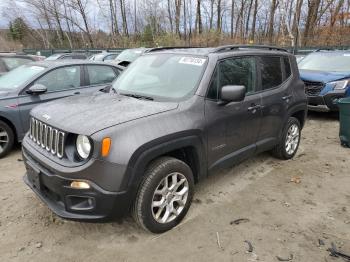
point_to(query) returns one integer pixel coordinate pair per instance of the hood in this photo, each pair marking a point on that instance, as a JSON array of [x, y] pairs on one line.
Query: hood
[[88, 114], [4, 94], [322, 76]]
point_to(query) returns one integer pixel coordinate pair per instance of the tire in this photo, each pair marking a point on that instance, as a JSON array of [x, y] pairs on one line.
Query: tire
[[281, 150], [158, 172], [7, 139]]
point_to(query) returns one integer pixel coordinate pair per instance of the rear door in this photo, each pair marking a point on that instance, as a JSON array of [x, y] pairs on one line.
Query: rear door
[[232, 129], [60, 82], [276, 93]]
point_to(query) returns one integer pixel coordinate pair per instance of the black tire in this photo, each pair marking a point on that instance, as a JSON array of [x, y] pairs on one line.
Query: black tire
[[5, 148], [154, 175], [280, 150]]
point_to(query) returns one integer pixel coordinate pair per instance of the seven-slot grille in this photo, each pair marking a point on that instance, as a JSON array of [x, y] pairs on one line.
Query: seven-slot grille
[[313, 88], [47, 137]]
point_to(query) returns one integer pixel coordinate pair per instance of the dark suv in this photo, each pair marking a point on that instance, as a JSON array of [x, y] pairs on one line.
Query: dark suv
[[171, 119]]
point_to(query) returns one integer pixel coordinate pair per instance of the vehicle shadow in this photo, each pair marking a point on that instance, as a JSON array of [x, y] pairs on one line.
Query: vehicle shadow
[[324, 116]]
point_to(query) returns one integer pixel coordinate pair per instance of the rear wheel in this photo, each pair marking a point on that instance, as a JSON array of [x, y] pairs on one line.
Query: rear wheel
[[6, 139], [164, 196], [289, 144]]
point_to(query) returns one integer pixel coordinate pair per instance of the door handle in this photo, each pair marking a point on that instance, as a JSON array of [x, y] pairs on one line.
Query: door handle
[[286, 98], [77, 93], [253, 108]]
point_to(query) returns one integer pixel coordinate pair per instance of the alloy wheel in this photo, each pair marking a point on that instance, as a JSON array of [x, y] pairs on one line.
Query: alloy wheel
[[292, 139], [170, 198], [4, 139]]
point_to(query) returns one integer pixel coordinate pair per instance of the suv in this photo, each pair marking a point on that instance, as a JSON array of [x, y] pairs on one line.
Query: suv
[[171, 119], [38, 82], [326, 75]]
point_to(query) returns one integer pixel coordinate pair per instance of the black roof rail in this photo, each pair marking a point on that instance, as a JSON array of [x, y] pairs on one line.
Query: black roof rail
[[155, 49], [233, 47]]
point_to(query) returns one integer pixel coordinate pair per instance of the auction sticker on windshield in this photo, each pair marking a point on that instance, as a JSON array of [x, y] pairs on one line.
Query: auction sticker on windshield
[[192, 61]]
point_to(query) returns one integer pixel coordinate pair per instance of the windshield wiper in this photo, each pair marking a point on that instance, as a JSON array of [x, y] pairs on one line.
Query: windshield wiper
[[138, 96]]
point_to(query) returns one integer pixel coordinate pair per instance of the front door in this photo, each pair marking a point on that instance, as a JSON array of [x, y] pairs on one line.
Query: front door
[[232, 128]]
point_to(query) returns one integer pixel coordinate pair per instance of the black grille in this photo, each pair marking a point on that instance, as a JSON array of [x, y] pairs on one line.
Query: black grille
[[313, 88]]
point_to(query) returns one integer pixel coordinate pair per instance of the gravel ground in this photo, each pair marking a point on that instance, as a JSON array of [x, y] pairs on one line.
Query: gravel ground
[[287, 208]]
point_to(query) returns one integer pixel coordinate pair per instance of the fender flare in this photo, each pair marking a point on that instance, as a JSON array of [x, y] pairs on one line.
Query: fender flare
[[159, 147]]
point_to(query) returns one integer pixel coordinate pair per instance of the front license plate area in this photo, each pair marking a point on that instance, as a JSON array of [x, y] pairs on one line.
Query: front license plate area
[[33, 176]]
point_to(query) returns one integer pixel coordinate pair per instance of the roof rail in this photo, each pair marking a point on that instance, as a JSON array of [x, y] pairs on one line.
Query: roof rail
[[232, 47], [155, 49]]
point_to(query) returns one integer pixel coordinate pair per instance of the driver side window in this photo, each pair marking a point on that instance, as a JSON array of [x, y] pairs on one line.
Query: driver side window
[[62, 78], [233, 71]]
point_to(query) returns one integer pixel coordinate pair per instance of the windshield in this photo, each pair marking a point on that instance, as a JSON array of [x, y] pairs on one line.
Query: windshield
[[53, 57], [163, 76], [129, 55], [334, 62], [19, 76], [13, 62]]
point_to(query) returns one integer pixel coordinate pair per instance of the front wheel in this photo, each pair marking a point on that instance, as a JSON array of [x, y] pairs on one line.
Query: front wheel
[[289, 144], [6, 139], [164, 196]]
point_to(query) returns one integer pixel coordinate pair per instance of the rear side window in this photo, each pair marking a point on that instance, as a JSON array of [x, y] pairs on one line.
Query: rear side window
[[101, 74], [233, 71], [287, 69], [271, 71]]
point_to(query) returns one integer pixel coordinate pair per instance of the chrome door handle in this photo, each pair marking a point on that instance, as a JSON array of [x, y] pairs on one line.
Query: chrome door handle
[[285, 98]]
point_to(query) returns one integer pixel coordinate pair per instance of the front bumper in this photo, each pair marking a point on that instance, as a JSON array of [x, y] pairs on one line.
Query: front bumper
[[94, 204], [325, 103]]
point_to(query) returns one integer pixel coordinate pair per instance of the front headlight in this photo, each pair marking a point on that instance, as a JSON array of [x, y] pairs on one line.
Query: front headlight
[[339, 85], [83, 146]]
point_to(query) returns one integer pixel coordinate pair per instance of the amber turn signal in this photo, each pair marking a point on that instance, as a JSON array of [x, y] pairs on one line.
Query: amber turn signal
[[106, 146], [79, 185]]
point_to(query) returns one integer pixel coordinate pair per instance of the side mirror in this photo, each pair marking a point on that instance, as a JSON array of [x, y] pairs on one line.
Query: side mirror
[[106, 89], [232, 93], [37, 89]]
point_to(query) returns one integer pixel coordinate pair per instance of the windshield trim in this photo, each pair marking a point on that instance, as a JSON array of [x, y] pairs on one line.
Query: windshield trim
[[170, 99]]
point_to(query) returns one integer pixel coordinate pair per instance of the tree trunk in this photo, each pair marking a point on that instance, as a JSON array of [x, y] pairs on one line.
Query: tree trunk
[[170, 17], [232, 15], [254, 19], [218, 24], [273, 8], [177, 16]]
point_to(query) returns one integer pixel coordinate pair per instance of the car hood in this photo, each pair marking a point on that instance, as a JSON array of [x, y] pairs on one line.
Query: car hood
[[4, 94], [322, 76], [88, 114]]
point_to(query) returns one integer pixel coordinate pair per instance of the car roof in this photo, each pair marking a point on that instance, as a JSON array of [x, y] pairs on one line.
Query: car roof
[[58, 63], [16, 55], [331, 51], [205, 51]]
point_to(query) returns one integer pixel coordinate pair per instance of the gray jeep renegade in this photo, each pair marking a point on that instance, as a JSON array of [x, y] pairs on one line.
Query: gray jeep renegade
[[172, 118]]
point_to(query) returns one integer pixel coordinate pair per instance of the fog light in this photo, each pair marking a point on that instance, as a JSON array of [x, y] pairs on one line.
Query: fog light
[[79, 185]]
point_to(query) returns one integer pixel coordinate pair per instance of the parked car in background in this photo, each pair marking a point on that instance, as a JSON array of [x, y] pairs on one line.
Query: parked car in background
[[10, 61], [299, 57], [326, 75], [35, 83], [129, 55], [67, 56], [104, 56], [171, 119]]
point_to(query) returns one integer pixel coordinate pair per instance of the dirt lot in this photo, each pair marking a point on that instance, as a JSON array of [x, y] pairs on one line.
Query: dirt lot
[[284, 217]]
